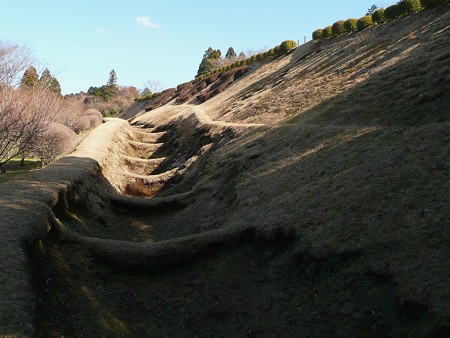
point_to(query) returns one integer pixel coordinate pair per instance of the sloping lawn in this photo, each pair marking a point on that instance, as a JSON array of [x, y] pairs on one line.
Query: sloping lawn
[[14, 168]]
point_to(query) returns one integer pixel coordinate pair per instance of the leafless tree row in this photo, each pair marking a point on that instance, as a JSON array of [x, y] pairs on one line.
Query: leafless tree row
[[35, 121]]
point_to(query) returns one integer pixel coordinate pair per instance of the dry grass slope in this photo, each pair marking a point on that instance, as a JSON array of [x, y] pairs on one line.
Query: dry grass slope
[[308, 199]]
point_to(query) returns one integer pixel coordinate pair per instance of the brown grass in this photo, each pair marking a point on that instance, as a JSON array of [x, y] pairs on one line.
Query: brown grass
[[331, 220]]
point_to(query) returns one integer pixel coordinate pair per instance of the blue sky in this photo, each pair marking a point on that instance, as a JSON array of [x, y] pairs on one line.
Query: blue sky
[[160, 40]]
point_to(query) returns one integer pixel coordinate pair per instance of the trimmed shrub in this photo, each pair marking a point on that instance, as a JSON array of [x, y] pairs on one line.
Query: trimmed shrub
[[317, 34], [93, 121], [432, 3], [81, 124], [392, 12], [243, 62], [286, 46], [271, 52], [327, 32], [57, 140], [338, 28], [248, 61], [350, 25], [94, 116], [378, 16], [409, 7], [266, 55], [276, 49], [253, 59], [364, 22], [260, 57]]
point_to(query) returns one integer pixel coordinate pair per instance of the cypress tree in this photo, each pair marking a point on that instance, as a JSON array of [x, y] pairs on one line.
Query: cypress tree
[[231, 54], [46, 78], [49, 82], [30, 78], [55, 87]]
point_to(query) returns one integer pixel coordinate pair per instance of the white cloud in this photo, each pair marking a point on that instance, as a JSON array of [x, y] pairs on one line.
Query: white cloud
[[146, 22]]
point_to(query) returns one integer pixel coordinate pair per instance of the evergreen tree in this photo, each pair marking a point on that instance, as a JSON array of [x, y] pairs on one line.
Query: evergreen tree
[[242, 56], [46, 78], [371, 10], [55, 87], [231, 54], [49, 82], [209, 61], [206, 66], [30, 78], [112, 81], [146, 91]]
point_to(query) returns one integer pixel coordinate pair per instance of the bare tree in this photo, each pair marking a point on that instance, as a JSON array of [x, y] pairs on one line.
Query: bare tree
[[153, 86], [24, 117], [14, 59]]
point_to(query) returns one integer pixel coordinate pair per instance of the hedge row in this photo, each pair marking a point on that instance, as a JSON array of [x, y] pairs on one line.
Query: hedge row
[[401, 9], [279, 50]]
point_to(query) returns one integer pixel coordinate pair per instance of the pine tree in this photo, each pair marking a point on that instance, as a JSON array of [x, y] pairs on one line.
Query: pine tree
[[112, 81], [242, 56], [231, 54], [30, 78]]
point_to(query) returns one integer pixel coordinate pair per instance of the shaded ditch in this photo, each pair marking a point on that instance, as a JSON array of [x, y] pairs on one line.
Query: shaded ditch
[[252, 287]]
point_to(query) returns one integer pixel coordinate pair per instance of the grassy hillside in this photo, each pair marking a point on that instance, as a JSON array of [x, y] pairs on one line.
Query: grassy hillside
[[309, 198]]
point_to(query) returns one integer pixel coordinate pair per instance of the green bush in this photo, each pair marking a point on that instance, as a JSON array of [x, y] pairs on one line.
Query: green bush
[[260, 57], [392, 12], [327, 32], [409, 7], [145, 97], [286, 45], [265, 55], [378, 16], [271, 52], [253, 59], [432, 3], [248, 61], [276, 49], [243, 62], [364, 22], [317, 34], [350, 25], [338, 28]]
